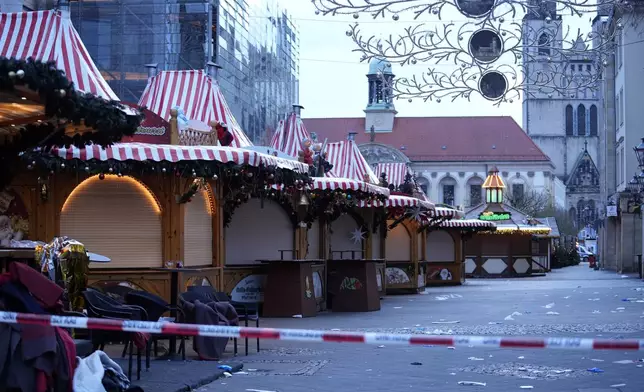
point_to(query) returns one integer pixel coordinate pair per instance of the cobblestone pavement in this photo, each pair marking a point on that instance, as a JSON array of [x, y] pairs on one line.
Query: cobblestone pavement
[[576, 301]]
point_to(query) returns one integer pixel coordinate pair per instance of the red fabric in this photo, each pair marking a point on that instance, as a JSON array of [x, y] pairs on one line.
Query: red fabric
[[225, 138], [44, 290], [70, 354], [140, 339], [42, 383]]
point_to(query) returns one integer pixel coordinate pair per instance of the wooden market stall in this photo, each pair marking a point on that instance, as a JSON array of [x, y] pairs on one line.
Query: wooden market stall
[[517, 244], [401, 236], [339, 227]]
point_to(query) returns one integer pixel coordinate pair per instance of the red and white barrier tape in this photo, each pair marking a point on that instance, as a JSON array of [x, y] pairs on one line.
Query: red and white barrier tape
[[304, 335]]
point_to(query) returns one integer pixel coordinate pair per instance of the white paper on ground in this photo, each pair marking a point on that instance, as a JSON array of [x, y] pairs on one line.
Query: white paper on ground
[[472, 383]]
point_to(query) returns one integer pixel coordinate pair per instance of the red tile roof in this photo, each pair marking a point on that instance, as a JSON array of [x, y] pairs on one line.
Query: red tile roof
[[497, 139]]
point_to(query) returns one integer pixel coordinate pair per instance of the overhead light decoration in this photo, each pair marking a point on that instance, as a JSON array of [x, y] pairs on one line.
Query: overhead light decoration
[[490, 52]]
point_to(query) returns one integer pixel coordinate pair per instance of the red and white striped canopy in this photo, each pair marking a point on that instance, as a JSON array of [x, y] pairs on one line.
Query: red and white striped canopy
[[175, 153], [395, 201], [50, 36], [197, 94], [394, 171], [289, 135], [348, 162], [445, 212], [326, 183], [467, 223]]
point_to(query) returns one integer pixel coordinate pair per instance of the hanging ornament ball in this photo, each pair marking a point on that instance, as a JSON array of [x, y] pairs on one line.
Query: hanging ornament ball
[[317, 12], [395, 17], [86, 168], [214, 177], [348, 33], [194, 174], [414, 61], [271, 176], [356, 15], [62, 93], [460, 37], [548, 19], [29, 167], [501, 20], [163, 170], [33, 163], [549, 95], [409, 100], [20, 73], [101, 176], [12, 74], [119, 175], [51, 172], [250, 174], [438, 100], [110, 170], [62, 165]]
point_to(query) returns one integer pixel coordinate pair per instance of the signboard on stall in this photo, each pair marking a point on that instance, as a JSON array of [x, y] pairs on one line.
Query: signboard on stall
[[250, 289], [611, 210]]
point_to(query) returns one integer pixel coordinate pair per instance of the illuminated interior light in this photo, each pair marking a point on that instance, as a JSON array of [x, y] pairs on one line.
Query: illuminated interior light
[[95, 179], [24, 98]]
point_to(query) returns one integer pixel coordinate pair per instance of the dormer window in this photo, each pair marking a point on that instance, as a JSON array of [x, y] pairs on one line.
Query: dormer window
[[544, 45]]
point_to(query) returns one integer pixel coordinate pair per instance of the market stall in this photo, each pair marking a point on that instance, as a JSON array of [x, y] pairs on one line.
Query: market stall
[[340, 229], [512, 249]]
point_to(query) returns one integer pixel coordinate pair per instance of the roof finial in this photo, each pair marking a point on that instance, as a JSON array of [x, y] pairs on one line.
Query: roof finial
[[585, 145], [372, 134]]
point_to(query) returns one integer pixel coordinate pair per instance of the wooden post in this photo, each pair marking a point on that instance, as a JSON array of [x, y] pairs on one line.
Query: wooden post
[[174, 127], [218, 232]]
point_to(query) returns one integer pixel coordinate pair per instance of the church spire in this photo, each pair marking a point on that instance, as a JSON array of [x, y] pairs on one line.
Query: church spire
[[380, 110]]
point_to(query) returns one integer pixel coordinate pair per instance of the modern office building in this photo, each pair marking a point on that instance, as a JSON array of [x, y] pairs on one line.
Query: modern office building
[[255, 42]]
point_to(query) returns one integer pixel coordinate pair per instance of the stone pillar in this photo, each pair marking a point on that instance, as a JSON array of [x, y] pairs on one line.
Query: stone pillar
[[628, 244]]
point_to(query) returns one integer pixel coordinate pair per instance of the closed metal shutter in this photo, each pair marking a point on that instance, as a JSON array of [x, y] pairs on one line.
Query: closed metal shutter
[[376, 241], [197, 231], [116, 217], [313, 236], [398, 245]]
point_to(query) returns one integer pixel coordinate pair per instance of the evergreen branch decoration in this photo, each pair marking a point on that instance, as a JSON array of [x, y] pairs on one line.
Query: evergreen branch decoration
[[194, 187]]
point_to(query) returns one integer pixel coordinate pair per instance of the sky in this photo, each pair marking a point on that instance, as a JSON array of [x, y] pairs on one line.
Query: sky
[[333, 81]]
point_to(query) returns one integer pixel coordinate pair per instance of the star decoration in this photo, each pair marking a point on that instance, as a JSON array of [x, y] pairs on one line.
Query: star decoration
[[416, 213], [357, 236]]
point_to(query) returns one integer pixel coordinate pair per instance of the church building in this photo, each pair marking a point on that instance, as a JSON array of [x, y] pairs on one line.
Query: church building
[[564, 126], [451, 156]]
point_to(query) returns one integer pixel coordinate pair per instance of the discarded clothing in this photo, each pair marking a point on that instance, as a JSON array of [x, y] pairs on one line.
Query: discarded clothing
[[211, 313], [99, 373]]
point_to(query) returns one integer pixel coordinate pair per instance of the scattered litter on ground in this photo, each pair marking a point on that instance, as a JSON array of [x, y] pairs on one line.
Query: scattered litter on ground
[[566, 297], [225, 368], [593, 299], [226, 374], [563, 371], [475, 359], [417, 325], [624, 276], [416, 363], [550, 305], [397, 307], [595, 370], [521, 357], [618, 385], [297, 316], [472, 383], [251, 370], [336, 329], [526, 387], [258, 390], [495, 323], [452, 374], [620, 308], [451, 348], [368, 370], [445, 322], [509, 318], [242, 373], [624, 362], [381, 346], [552, 313], [597, 360], [596, 312]]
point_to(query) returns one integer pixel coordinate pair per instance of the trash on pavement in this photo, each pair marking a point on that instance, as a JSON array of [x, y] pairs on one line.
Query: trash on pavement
[[225, 368], [521, 357], [550, 305], [416, 363], [596, 312], [475, 359], [472, 383], [595, 370], [526, 387], [226, 374], [597, 360], [624, 362], [297, 316], [381, 346], [397, 307], [618, 385], [552, 313], [451, 348], [242, 373], [445, 322], [258, 390]]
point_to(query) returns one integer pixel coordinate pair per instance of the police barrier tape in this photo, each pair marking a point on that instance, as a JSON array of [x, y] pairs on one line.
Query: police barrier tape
[[304, 335]]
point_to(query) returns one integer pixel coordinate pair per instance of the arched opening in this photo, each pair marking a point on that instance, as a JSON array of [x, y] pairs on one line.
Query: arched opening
[[249, 240], [440, 246], [346, 235], [398, 246], [475, 191], [447, 191], [544, 44], [569, 121], [593, 120], [423, 183], [581, 120], [118, 217], [197, 230]]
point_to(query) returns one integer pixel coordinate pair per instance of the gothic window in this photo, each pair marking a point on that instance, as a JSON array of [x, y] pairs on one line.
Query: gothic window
[[569, 121], [476, 194], [586, 213], [581, 120], [544, 44], [593, 120]]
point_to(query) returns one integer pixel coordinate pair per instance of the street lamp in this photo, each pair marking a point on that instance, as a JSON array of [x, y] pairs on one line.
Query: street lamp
[[639, 152]]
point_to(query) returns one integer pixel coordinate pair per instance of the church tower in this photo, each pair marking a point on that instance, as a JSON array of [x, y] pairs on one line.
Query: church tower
[[380, 111], [563, 124]]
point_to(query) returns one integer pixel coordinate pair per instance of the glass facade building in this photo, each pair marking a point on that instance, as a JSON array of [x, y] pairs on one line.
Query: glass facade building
[[254, 41]]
